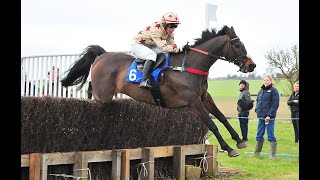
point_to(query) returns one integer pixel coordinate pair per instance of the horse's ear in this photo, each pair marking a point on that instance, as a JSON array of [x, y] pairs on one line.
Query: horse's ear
[[232, 28]]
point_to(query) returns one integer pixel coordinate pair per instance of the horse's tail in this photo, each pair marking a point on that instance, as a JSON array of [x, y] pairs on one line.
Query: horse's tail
[[79, 70]]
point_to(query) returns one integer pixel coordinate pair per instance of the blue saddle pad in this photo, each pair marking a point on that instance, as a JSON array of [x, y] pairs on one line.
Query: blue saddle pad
[[135, 76]]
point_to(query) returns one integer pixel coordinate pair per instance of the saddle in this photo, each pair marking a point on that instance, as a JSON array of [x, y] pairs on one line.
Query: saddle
[[135, 70], [159, 62], [135, 74]]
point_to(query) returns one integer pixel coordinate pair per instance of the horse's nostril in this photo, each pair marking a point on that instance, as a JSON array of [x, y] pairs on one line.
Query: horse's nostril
[[252, 66]]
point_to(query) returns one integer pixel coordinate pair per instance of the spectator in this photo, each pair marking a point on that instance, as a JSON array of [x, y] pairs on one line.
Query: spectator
[[266, 109], [25, 85], [54, 82], [243, 112], [293, 103]]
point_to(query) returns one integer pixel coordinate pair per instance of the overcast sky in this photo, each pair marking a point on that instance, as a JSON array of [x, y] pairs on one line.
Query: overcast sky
[[50, 27]]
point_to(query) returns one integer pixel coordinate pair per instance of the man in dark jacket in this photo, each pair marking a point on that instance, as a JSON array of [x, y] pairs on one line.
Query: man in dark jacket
[[243, 112], [293, 103]]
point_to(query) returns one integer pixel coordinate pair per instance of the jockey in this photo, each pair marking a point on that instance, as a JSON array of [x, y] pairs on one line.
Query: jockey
[[156, 38]]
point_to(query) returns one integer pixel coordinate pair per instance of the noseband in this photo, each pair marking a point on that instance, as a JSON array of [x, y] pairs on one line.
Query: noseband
[[236, 43]]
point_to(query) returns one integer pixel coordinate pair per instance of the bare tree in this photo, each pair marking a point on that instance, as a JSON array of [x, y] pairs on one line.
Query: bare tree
[[286, 63]]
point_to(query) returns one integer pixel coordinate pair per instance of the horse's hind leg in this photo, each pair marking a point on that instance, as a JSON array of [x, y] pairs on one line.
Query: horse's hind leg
[[199, 110], [103, 91], [213, 109]]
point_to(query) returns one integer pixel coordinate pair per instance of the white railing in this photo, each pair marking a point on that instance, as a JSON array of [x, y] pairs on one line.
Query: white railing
[[40, 76]]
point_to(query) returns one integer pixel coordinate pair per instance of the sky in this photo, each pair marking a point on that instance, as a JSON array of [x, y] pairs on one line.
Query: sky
[[68, 26]]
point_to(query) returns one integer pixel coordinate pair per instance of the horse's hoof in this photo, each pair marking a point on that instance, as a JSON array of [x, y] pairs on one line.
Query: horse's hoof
[[233, 153], [242, 145]]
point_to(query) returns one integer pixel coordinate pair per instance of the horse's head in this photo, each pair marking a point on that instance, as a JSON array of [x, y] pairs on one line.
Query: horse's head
[[234, 51]]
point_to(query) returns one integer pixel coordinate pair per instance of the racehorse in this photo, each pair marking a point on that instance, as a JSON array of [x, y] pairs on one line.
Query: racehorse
[[184, 81]]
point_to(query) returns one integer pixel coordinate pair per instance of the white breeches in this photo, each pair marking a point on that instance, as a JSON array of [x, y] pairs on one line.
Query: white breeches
[[145, 53]]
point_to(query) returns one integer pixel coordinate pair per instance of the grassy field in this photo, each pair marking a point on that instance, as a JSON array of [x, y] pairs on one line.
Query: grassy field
[[286, 165]]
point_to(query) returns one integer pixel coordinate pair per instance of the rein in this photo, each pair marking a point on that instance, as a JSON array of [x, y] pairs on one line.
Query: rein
[[192, 70], [206, 53]]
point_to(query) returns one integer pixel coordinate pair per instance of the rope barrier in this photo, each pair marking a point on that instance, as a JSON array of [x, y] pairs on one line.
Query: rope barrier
[[66, 176], [145, 171], [71, 176], [268, 154], [204, 161], [236, 117]]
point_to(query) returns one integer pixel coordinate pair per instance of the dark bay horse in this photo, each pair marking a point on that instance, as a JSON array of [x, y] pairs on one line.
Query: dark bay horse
[[183, 88]]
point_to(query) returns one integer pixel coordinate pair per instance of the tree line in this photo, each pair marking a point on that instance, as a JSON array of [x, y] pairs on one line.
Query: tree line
[[282, 64]]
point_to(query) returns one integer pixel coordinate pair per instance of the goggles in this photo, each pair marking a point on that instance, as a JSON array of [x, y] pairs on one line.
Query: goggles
[[172, 25]]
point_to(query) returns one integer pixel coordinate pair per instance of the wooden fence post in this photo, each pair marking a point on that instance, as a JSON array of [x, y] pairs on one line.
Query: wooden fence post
[[81, 165], [148, 159], [212, 160], [116, 164], [44, 167], [34, 166], [125, 164], [179, 162]]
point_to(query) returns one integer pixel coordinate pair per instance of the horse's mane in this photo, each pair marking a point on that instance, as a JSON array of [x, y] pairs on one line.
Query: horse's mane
[[206, 35]]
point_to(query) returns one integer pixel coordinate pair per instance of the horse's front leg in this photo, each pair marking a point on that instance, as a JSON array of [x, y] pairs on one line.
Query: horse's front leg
[[199, 110], [213, 109]]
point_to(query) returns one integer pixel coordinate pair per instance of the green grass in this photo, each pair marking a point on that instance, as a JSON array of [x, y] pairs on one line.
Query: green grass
[[261, 167], [230, 88]]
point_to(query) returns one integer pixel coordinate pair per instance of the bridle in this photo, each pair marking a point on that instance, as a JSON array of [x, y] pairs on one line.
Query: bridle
[[233, 43]]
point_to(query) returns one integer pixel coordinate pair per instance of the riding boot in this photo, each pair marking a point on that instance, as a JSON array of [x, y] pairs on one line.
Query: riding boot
[[258, 149], [145, 83], [273, 149]]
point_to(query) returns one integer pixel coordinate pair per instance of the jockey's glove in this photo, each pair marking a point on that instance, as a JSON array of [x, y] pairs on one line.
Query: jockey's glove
[[186, 47]]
